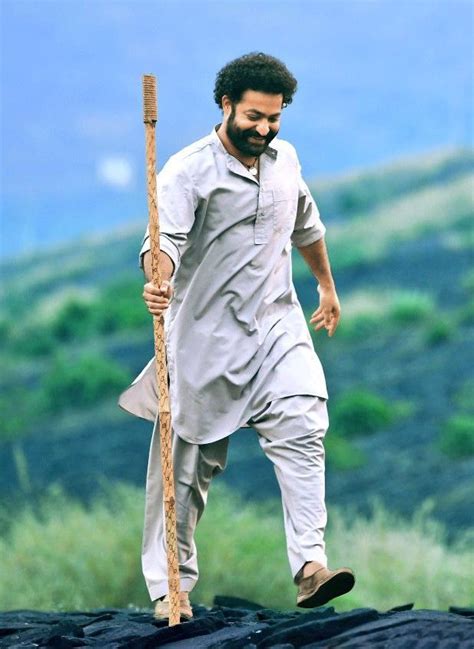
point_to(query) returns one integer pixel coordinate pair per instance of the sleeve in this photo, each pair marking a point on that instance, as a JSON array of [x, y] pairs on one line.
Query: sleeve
[[177, 203], [308, 226]]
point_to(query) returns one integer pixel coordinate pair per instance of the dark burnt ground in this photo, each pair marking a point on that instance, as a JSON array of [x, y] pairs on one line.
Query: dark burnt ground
[[238, 624]]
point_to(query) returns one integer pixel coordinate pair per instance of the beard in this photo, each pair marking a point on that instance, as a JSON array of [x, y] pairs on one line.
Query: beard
[[240, 138]]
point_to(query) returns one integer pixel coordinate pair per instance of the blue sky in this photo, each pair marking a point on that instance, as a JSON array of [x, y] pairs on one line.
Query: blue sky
[[377, 81]]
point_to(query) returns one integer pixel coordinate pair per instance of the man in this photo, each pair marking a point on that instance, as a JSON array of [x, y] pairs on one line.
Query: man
[[239, 352]]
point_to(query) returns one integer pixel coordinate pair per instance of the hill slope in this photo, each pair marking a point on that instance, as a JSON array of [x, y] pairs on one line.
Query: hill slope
[[400, 241]]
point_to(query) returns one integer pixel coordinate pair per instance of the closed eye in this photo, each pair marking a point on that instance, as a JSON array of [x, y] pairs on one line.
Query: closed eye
[[255, 117]]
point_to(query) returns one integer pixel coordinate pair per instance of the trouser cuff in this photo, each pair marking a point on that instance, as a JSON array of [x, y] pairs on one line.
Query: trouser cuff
[[160, 588]]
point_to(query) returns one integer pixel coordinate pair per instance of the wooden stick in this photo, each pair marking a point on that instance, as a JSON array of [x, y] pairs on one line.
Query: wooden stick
[[150, 119]]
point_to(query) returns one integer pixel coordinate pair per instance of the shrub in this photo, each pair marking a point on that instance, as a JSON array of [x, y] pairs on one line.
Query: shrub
[[120, 306], [33, 340], [359, 327], [73, 320], [14, 419], [411, 307], [5, 330], [438, 331], [457, 438], [466, 314], [78, 382], [342, 454], [360, 412], [467, 280], [464, 397]]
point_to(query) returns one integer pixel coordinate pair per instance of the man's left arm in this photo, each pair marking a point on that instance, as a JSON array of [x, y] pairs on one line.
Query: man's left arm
[[328, 313], [308, 237]]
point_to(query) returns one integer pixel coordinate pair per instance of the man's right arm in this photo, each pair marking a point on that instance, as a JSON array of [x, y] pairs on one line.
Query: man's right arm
[[178, 202], [166, 266]]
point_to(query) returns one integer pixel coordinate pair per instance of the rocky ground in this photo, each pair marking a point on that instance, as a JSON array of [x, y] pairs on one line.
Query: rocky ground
[[239, 624]]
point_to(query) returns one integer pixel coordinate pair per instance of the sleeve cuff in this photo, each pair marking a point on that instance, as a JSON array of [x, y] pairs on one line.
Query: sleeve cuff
[[303, 238], [166, 245], [145, 248], [171, 250]]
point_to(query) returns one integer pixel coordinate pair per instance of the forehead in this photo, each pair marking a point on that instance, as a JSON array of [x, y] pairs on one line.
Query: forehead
[[262, 102]]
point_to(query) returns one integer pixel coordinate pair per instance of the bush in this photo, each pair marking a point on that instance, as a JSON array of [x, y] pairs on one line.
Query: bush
[[457, 438], [359, 327], [5, 330], [464, 396], [360, 412], [465, 315], [19, 408], [342, 454], [79, 382], [121, 307], [438, 331], [33, 340], [74, 320], [411, 307]]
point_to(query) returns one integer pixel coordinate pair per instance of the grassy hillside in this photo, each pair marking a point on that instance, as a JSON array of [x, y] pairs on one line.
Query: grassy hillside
[[75, 332]]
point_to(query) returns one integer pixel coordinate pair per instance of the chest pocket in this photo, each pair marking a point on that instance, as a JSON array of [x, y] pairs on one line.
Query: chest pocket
[[285, 204]]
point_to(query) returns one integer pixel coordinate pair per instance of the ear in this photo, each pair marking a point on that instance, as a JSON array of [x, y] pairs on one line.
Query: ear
[[226, 106]]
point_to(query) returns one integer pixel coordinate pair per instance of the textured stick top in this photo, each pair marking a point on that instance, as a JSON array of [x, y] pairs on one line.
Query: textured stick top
[[149, 99]]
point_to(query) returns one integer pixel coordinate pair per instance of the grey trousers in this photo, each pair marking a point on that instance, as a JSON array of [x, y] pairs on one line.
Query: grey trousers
[[291, 433]]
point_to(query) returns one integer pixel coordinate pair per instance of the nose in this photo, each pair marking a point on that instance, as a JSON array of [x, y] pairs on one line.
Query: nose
[[262, 128]]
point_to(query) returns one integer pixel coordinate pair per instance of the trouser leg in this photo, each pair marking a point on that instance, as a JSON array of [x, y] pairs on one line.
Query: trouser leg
[[194, 467], [291, 433]]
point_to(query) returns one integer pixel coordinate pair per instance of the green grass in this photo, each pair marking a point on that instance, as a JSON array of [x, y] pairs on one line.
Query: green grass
[[65, 556]]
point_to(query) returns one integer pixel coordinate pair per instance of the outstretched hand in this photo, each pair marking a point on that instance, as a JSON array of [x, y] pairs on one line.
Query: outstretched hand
[[157, 299], [328, 313]]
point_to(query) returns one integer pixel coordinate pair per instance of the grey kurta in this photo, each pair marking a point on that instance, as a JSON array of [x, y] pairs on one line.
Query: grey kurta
[[236, 334]]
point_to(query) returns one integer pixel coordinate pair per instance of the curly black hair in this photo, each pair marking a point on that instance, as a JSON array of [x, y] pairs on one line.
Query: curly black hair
[[254, 71]]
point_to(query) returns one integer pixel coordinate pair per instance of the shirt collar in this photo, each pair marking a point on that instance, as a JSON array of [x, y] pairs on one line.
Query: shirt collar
[[270, 151]]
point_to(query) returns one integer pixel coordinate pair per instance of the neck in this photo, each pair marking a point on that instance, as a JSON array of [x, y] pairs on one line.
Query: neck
[[230, 148]]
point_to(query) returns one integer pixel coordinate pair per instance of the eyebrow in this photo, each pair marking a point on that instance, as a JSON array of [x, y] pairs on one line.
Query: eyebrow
[[257, 112]]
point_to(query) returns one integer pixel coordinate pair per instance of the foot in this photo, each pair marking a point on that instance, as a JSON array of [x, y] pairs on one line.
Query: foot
[[317, 584], [162, 608]]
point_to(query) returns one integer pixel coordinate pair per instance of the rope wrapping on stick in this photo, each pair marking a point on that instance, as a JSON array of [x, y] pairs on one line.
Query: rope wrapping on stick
[[150, 119]]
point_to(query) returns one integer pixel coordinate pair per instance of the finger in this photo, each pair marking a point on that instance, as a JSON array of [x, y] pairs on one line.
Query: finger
[[157, 312], [149, 287], [319, 326], [159, 300], [157, 308], [328, 316], [333, 326], [317, 313]]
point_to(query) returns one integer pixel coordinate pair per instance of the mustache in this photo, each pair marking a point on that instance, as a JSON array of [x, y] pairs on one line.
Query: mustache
[[251, 133]]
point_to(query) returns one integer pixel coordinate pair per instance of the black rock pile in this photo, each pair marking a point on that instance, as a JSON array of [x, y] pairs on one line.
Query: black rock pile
[[238, 624]]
